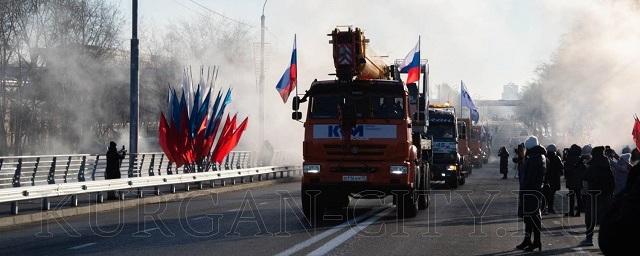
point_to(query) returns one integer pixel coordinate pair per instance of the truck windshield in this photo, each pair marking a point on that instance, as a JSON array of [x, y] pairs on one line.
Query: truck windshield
[[445, 131], [372, 106]]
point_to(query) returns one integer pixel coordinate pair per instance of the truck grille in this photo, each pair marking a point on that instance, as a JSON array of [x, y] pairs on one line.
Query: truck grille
[[355, 150], [354, 169]]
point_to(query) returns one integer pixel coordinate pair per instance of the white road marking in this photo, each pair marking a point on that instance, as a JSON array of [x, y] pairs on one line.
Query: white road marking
[[337, 241], [149, 229], [579, 250], [233, 210], [199, 218], [556, 222], [263, 203], [325, 234], [81, 246]]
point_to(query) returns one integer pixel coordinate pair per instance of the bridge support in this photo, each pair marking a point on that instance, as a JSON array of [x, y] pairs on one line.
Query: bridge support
[[172, 189], [14, 208], [46, 204], [74, 201]]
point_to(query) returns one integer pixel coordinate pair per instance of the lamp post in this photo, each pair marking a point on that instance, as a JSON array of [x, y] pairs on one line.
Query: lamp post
[[133, 86]]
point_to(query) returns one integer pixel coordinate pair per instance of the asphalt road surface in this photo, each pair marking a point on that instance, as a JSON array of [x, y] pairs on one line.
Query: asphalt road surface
[[478, 218]]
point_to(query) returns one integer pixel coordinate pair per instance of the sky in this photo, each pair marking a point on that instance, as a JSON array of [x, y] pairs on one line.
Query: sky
[[484, 43]]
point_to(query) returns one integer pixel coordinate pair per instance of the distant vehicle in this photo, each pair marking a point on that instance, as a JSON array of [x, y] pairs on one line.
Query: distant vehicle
[[464, 127], [446, 162]]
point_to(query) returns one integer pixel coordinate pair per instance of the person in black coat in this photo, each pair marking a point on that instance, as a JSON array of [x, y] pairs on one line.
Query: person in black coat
[[504, 162], [530, 199], [620, 225], [598, 183], [573, 169], [114, 158], [552, 176]]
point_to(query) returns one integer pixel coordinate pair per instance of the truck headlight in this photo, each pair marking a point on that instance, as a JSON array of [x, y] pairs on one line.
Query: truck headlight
[[398, 169], [311, 168], [452, 168]]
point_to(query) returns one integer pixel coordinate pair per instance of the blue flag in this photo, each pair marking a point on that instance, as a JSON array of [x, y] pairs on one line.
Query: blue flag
[[467, 101]]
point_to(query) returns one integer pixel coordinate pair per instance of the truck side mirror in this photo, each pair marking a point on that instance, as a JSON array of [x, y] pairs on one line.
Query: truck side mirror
[[296, 115], [296, 103]]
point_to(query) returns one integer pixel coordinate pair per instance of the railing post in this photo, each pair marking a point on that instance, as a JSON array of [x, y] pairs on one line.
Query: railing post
[[172, 189], [133, 158], [169, 171], [35, 170], [141, 163], [100, 197], [160, 166], [157, 190], [153, 159], [95, 167], [51, 178], [81, 171], [66, 171], [17, 174]]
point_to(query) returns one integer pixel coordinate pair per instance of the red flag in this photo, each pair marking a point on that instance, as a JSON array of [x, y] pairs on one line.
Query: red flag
[[231, 142], [227, 130], [163, 129], [636, 132], [200, 141]]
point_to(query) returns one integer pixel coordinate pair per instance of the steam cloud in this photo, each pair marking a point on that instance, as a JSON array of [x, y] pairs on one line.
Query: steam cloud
[[588, 93]]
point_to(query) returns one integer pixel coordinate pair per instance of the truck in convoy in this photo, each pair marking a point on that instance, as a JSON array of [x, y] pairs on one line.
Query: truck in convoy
[[446, 161], [464, 127], [476, 147], [359, 134]]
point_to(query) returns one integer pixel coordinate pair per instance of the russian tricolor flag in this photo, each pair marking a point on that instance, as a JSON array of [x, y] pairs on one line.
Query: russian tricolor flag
[[411, 64], [289, 79]]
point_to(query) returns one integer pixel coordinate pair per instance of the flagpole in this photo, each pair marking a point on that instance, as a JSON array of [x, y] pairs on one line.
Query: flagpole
[[295, 46], [461, 86]]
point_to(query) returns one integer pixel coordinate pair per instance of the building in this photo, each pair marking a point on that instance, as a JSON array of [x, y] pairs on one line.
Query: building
[[511, 91]]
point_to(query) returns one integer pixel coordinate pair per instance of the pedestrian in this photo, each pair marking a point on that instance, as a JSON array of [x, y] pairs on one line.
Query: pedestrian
[[114, 159], [555, 170], [518, 159], [626, 149], [574, 169], [504, 162], [634, 172], [621, 172], [530, 198], [598, 184]]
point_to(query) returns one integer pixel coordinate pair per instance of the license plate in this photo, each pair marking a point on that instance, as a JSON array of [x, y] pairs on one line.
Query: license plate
[[354, 178]]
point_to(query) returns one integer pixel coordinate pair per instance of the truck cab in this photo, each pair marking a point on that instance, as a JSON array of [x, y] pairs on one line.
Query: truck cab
[[446, 164]]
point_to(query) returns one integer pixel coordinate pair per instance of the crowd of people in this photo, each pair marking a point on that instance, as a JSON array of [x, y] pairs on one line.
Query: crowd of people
[[602, 184]]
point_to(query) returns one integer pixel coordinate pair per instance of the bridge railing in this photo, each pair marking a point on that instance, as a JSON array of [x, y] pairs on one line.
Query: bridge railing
[[20, 171], [44, 177]]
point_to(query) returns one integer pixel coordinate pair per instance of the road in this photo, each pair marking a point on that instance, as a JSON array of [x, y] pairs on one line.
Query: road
[[476, 219]]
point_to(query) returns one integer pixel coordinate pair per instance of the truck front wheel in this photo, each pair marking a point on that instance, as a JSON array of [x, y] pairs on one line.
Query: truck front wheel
[[452, 182], [407, 204], [312, 205]]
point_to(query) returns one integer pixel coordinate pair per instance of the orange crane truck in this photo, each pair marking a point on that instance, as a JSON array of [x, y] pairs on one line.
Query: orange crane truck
[[359, 134]]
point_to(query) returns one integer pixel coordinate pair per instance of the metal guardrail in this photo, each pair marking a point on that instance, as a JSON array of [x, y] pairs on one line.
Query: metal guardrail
[[44, 177], [44, 192], [19, 171]]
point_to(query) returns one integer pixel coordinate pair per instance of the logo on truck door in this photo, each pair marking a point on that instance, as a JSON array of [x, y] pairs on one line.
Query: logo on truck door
[[360, 132]]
